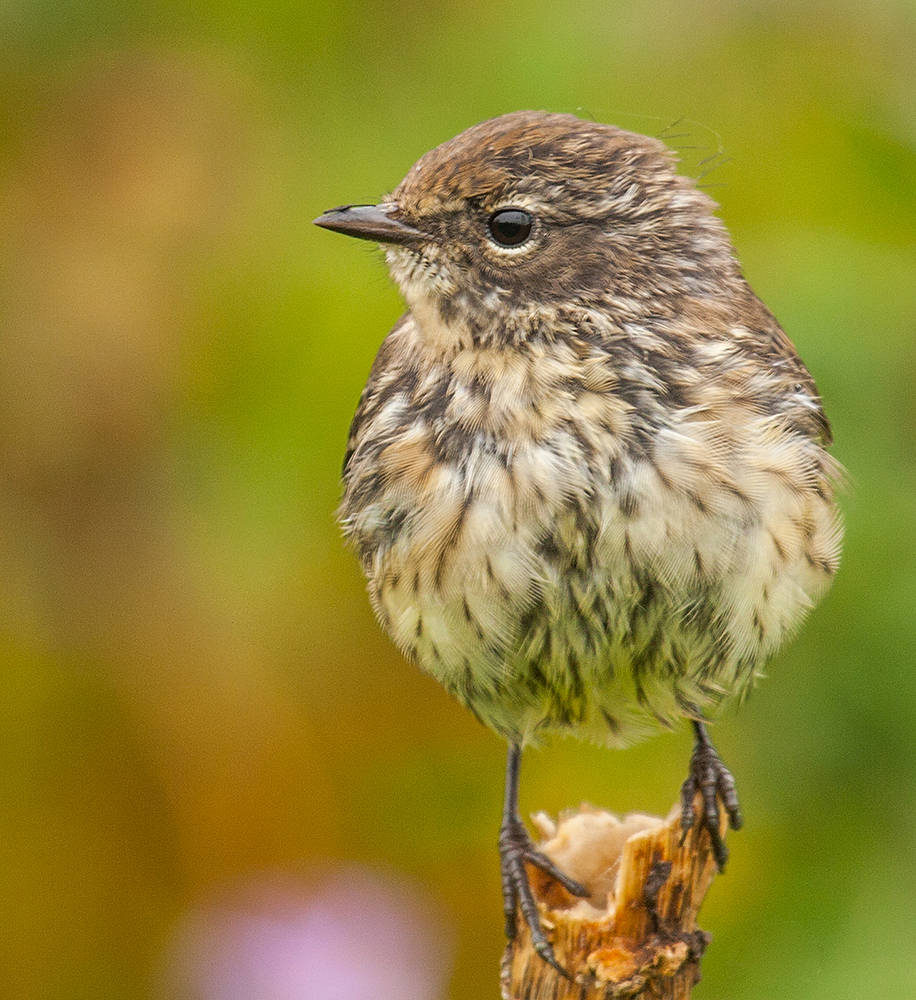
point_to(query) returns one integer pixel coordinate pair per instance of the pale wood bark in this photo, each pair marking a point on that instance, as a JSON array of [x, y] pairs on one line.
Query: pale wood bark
[[637, 935]]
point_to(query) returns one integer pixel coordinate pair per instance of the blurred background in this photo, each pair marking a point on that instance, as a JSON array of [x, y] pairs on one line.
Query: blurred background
[[218, 779]]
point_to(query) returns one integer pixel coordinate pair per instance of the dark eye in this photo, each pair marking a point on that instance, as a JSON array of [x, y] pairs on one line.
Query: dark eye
[[510, 227]]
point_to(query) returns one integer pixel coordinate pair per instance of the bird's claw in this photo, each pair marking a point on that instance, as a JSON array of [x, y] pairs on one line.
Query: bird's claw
[[515, 849], [709, 776]]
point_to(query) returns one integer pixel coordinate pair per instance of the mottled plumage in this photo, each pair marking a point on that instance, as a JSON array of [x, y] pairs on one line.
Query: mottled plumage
[[586, 479]]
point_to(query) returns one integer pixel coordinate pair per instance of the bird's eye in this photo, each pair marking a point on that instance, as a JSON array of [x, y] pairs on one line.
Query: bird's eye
[[510, 227]]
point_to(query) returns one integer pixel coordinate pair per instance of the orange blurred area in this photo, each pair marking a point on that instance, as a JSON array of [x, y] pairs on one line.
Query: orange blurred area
[[202, 726]]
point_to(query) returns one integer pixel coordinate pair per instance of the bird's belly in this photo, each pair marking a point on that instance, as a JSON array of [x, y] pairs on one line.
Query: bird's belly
[[544, 591]]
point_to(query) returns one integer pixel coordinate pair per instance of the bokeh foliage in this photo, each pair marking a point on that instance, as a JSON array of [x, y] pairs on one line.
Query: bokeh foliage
[[194, 687]]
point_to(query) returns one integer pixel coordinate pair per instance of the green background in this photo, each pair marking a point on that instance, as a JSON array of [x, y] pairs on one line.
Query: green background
[[194, 689]]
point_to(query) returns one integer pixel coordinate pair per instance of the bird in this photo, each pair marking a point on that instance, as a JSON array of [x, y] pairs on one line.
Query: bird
[[588, 478]]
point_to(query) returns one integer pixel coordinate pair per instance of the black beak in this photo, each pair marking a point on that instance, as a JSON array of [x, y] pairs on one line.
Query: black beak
[[370, 222]]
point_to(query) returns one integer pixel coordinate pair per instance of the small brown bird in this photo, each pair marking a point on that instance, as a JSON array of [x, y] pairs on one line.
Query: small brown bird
[[586, 479]]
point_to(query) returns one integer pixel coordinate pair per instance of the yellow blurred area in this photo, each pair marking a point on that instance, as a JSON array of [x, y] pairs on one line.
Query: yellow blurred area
[[196, 696]]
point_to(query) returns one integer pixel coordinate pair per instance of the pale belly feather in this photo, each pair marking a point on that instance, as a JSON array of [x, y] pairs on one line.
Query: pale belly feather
[[548, 589]]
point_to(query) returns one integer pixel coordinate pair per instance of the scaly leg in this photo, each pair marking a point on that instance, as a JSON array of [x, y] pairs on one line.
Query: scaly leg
[[714, 780], [516, 848]]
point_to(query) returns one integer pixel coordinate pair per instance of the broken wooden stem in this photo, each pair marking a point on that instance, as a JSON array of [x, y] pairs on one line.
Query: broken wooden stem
[[636, 935]]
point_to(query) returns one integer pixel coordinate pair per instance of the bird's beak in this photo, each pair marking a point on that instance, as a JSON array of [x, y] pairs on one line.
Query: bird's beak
[[370, 222]]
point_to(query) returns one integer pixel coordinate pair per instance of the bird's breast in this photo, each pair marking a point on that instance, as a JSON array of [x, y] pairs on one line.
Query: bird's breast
[[530, 539]]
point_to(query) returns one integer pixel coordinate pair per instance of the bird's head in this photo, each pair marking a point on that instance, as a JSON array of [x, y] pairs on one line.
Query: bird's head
[[521, 217]]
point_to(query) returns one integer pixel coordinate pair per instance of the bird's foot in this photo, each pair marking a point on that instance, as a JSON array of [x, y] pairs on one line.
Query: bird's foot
[[515, 849], [709, 776]]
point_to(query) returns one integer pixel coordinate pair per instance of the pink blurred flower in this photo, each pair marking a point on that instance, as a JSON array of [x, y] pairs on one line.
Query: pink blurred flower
[[350, 935]]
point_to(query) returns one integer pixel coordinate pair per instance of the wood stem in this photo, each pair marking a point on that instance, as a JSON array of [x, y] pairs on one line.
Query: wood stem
[[636, 936]]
